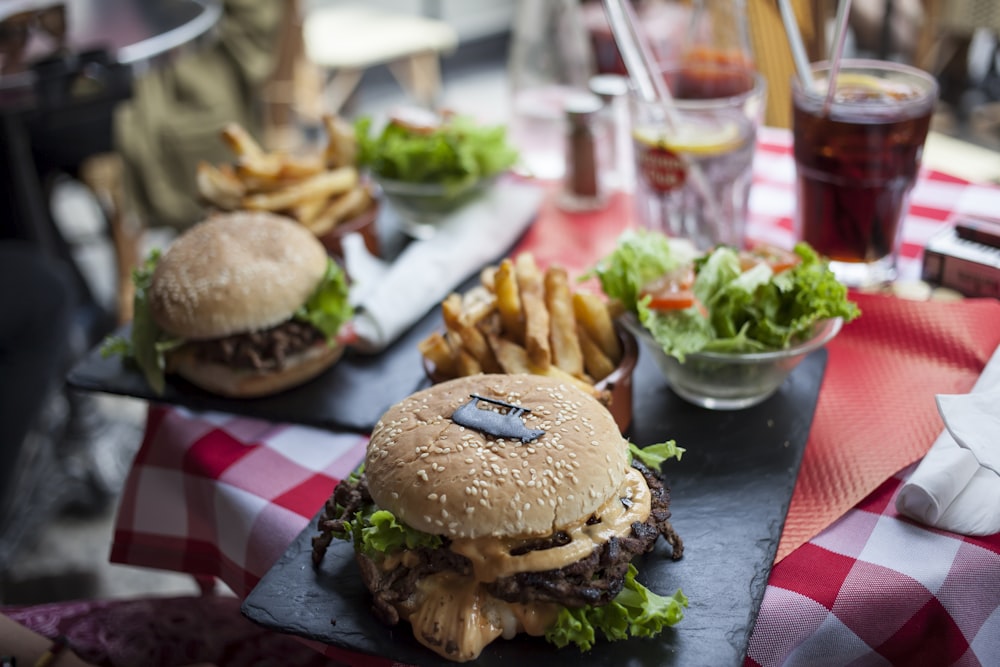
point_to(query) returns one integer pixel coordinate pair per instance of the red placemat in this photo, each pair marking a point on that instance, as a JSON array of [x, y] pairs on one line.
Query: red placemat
[[876, 411]]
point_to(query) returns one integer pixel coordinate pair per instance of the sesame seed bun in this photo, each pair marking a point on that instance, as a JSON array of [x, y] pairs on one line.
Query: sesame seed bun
[[234, 273], [443, 478]]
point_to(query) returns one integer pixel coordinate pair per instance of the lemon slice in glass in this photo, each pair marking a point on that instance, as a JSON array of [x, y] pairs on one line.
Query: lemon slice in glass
[[693, 137]]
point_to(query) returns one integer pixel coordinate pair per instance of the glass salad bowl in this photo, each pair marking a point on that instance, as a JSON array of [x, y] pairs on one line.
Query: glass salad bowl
[[721, 381], [423, 207]]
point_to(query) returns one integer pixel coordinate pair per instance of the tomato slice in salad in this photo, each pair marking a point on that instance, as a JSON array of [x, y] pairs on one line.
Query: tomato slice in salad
[[777, 258], [672, 291]]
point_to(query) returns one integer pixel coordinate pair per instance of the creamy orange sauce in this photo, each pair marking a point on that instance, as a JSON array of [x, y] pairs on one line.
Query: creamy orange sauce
[[456, 617], [491, 557]]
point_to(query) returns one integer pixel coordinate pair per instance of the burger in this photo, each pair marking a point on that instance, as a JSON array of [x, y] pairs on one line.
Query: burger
[[244, 304], [493, 505]]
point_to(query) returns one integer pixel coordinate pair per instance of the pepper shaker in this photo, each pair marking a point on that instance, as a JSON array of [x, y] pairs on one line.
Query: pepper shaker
[[584, 186]]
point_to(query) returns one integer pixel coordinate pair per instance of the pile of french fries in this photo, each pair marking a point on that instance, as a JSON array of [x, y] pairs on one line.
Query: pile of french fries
[[319, 190], [520, 319]]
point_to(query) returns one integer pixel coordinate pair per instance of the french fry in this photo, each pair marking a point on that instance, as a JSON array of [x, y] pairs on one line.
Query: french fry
[[341, 142], [566, 353], [309, 210], [472, 339], [338, 209], [435, 349], [240, 142], [327, 183], [477, 305], [219, 186], [467, 364], [593, 315], [509, 300], [597, 364], [512, 357], [536, 317]]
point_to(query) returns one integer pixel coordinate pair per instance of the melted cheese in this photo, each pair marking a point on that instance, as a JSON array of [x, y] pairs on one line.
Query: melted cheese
[[491, 558], [456, 617]]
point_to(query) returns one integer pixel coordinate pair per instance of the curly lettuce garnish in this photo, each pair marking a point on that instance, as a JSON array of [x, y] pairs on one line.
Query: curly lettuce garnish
[[635, 612]]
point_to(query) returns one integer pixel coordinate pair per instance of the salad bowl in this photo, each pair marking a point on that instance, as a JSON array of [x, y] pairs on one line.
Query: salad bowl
[[731, 381], [422, 207]]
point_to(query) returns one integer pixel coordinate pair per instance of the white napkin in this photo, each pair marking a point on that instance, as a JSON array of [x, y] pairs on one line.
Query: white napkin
[[956, 487], [391, 297]]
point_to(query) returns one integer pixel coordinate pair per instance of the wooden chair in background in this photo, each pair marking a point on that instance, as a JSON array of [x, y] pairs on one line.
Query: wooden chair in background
[[773, 53]]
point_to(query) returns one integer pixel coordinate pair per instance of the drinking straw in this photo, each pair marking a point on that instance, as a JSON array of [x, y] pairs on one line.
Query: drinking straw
[[645, 74], [837, 52], [638, 57], [795, 42]]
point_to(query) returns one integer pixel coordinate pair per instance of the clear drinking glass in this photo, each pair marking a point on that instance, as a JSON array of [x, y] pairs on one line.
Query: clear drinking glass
[[856, 163], [693, 166]]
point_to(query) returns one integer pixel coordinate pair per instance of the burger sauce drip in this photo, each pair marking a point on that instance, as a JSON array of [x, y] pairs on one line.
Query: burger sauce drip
[[457, 617]]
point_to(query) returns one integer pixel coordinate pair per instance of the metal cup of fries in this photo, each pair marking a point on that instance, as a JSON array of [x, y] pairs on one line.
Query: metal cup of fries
[[520, 319], [322, 191]]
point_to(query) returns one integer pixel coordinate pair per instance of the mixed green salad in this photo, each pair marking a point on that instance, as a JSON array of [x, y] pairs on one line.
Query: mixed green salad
[[450, 150], [726, 300]]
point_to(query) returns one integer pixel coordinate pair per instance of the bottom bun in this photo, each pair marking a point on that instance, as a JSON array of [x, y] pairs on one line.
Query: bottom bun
[[248, 383]]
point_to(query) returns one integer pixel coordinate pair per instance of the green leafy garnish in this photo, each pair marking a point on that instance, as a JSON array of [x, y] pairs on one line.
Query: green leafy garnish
[[638, 258], [455, 153], [328, 308], [377, 533], [653, 456], [635, 612]]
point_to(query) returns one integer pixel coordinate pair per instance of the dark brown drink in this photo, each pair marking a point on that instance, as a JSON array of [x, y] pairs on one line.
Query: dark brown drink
[[857, 161]]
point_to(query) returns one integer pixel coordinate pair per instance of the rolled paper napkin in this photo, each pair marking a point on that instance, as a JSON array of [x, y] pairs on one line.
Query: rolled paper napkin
[[956, 487], [391, 297]]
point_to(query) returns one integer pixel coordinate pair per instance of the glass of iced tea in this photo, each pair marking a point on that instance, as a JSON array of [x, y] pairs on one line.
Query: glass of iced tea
[[856, 161], [693, 161]]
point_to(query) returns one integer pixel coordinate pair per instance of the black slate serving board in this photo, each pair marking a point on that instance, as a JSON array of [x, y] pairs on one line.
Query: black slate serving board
[[351, 395], [730, 495]]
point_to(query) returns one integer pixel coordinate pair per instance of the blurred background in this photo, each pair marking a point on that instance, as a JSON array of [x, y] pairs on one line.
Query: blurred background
[[100, 145]]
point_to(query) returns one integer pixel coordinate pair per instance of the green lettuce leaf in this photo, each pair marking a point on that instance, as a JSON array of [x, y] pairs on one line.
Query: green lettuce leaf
[[457, 153], [653, 456], [635, 612], [328, 308], [147, 345], [638, 258], [377, 532]]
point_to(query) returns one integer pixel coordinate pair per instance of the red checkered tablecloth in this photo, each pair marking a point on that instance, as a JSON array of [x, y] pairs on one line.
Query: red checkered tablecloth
[[218, 495]]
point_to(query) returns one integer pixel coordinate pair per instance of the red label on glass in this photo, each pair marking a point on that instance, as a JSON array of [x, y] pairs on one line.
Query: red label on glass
[[662, 168]]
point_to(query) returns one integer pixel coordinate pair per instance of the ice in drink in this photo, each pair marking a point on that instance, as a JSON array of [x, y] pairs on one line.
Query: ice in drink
[[856, 164]]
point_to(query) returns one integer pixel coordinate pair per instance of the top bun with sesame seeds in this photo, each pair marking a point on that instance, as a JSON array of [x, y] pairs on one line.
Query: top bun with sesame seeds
[[235, 272], [441, 477]]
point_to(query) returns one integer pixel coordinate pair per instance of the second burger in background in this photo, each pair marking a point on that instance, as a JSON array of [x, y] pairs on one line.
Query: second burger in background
[[243, 305]]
